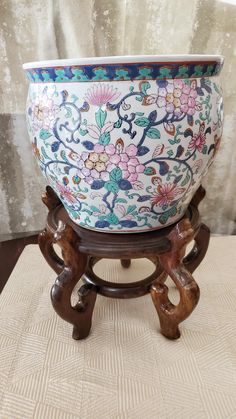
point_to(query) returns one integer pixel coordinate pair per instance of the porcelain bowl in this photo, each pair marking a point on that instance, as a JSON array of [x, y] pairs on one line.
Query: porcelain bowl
[[125, 141]]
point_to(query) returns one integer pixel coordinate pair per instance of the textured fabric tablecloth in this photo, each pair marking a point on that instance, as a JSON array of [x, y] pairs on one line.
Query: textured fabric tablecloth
[[125, 368]]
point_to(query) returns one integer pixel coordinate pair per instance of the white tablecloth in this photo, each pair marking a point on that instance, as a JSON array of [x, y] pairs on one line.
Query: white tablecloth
[[125, 368]]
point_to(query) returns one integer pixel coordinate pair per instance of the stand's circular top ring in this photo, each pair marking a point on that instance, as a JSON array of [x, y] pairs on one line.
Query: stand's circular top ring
[[117, 246]]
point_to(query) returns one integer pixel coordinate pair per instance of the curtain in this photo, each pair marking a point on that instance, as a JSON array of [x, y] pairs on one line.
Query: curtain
[[50, 29]]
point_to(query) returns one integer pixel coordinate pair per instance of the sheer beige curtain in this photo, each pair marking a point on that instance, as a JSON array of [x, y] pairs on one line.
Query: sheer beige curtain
[[49, 29]]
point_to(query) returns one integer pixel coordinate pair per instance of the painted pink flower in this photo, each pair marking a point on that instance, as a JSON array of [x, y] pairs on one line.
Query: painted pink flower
[[170, 108], [177, 92], [183, 99], [176, 97], [186, 89], [95, 132], [170, 87], [161, 102], [178, 84], [131, 150], [197, 142], [44, 111], [123, 212], [66, 193], [129, 163], [101, 93], [162, 91], [99, 163], [166, 194]]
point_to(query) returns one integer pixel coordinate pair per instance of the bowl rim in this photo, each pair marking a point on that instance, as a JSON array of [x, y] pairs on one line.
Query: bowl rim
[[125, 59]]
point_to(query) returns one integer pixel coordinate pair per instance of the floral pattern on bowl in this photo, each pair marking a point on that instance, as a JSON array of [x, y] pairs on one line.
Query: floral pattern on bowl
[[127, 156]]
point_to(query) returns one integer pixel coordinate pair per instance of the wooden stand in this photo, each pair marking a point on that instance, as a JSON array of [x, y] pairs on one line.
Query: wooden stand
[[82, 248]]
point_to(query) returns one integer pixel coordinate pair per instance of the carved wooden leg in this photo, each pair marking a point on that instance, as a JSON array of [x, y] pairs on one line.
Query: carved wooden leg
[[202, 238], [74, 266], [170, 315], [125, 263], [45, 240], [198, 252], [50, 198]]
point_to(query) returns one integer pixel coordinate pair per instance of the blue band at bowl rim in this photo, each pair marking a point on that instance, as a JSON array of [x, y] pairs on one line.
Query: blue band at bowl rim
[[129, 72]]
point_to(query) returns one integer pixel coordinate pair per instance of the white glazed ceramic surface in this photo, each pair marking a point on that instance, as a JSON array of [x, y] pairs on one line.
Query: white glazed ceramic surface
[[125, 143]]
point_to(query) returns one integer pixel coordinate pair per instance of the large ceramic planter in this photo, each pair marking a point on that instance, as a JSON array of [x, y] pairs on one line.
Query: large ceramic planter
[[125, 141]]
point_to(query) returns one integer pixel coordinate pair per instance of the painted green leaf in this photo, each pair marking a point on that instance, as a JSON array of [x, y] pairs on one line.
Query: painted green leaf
[[113, 219], [44, 153], [111, 186], [121, 200], [166, 215], [100, 117], [144, 87], [177, 168], [68, 112], [173, 211], [102, 217], [85, 210], [186, 180], [118, 123], [174, 141], [83, 131], [163, 218], [130, 209], [116, 174], [149, 171], [204, 150], [44, 134], [63, 155], [74, 98], [142, 122], [170, 153], [217, 89], [104, 138], [153, 133], [94, 209]]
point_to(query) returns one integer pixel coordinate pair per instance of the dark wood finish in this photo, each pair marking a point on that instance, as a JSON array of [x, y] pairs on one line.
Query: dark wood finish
[[46, 240], [74, 266], [198, 196], [82, 249], [172, 262], [125, 263], [128, 246], [70, 270], [197, 254], [46, 237], [50, 198], [120, 290], [201, 239]]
